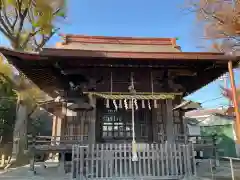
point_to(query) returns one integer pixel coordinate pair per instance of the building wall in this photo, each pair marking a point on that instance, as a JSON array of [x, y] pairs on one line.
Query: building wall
[[165, 123], [225, 139], [78, 125], [194, 130]]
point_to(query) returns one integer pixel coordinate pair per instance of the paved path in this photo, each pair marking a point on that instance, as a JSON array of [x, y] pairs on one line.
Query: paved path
[[23, 173], [50, 173], [223, 172]]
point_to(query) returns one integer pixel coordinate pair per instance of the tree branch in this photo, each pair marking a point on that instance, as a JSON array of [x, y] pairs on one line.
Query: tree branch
[[57, 11], [222, 22], [21, 23], [19, 6], [213, 16], [16, 18], [30, 15], [4, 25], [32, 111], [5, 14], [30, 35], [45, 39], [22, 19], [8, 35]]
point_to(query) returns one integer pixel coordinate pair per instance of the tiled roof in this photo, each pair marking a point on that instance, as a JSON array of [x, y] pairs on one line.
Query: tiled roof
[[204, 112], [122, 44], [188, 106]]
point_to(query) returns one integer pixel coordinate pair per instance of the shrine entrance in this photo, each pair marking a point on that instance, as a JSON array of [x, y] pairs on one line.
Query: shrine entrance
[[116, 125]]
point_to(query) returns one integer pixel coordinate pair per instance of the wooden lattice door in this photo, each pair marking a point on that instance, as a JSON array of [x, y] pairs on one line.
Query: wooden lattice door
[[77, 126]]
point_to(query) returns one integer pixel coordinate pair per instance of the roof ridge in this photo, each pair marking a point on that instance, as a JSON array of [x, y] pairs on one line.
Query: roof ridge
[[117, 37], [67, 38]]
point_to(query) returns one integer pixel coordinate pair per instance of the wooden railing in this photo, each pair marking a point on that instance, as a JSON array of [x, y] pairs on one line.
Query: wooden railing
[[54, 142], [203, 139], [64, 143], [196, 139], [200, 143]]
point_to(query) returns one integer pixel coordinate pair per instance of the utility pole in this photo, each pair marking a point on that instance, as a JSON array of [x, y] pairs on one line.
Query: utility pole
[[235, 100]]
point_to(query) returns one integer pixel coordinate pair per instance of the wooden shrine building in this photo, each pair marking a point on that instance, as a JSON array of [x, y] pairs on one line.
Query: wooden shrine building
[[104, 86]]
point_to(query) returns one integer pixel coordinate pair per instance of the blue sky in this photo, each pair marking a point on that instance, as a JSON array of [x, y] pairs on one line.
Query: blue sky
[[151, 18]]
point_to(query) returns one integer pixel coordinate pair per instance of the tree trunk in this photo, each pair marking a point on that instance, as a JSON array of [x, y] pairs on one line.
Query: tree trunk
[[20, 134]]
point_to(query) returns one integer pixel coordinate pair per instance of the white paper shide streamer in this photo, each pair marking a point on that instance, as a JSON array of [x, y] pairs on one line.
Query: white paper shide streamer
[[125, 104], [107, 103], [143, 103], [135, 103], [120, 104], [149, 105], [115, 104]]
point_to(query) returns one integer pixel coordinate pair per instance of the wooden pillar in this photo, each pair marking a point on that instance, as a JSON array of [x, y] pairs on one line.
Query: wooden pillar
[[83, 117], [56, 132], [54, 129], [154, 125], [61, 167], [59, 129], [235, 100], [92, 125], [2, 160], [169, 121]]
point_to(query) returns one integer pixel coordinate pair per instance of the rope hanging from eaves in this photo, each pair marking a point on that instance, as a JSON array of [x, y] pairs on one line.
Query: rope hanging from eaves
[[120, 101], [137, 96]]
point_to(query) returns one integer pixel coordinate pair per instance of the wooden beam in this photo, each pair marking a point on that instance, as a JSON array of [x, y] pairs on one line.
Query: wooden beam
[[182, 72], [126, 55], [235, 103]]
